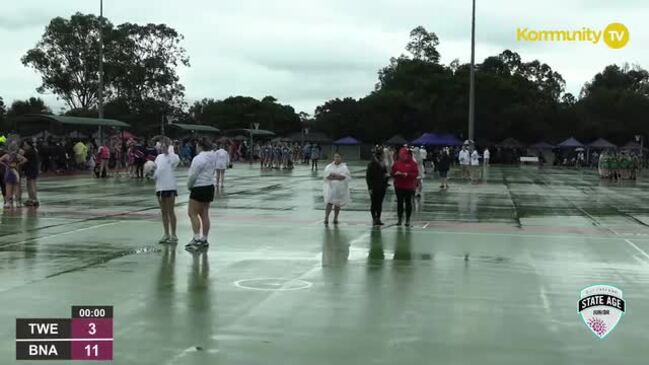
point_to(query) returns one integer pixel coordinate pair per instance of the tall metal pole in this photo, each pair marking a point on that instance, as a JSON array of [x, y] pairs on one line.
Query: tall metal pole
[[472, 80], [100, 93]]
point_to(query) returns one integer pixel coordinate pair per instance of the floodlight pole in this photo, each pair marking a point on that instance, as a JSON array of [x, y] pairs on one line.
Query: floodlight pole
[[472, 79], [100, 92]]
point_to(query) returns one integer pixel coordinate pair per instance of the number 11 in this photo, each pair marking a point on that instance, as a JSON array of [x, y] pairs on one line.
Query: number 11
[[94, 348]]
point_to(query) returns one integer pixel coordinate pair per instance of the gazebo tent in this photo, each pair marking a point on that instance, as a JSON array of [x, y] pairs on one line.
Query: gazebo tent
[[510, 143], [349, 147], [450, 140], [542, 146], [428, 139], [601, 143], [396, 140], [311, 137], [571, 143], [632, 146]]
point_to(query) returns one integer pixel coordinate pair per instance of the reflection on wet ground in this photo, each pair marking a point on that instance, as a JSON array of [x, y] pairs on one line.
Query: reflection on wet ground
[[489, 272]]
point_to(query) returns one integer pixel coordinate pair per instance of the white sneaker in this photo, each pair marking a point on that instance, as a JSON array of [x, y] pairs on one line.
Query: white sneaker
[[164, 239], [173, 239]]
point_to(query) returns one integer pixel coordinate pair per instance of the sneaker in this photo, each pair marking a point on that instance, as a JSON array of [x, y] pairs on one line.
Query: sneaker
[[164, 239], [203, 244], [192, 245], [7, 206], [19, 203], [407, 223], [173, 239], [29, 203]]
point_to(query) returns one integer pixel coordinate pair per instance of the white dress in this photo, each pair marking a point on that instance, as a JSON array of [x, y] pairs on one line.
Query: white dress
[[336, 192]]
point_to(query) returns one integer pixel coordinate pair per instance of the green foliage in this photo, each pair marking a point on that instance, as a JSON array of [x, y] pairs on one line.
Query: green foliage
[[241, 111], [140, 65], [29, 106]]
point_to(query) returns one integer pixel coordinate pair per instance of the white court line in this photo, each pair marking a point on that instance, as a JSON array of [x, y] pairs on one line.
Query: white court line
[[642, 252], [60, 234]]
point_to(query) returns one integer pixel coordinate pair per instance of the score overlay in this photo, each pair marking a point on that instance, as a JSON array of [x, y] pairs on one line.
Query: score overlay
[[87, 335]]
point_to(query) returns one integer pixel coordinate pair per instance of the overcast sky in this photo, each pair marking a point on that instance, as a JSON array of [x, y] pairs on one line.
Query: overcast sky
[[305, 52]]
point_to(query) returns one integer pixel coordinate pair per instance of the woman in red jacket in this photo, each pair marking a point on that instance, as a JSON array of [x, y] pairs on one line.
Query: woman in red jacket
[[405, 172]]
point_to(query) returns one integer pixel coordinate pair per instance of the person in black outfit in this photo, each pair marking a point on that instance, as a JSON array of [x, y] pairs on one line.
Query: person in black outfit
[[377, 183], [443, 165]]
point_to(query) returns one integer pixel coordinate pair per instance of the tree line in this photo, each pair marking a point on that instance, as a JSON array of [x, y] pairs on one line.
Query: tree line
[[415, 93]]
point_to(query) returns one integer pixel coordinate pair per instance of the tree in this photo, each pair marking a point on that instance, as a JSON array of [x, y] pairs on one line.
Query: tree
[[240, 111], [423, 45], [143, 64], [67, 58], [139, 61], [29, 106], [3, 110]]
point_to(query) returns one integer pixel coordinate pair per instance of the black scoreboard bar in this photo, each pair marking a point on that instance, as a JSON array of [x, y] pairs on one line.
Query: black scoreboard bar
[[87, 335]]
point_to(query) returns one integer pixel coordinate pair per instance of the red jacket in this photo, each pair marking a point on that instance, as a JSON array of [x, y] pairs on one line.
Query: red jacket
[[408, 182]]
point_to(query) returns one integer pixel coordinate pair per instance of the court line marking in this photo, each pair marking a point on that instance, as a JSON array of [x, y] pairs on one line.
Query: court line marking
[[59, 234], [304, 284], [641, 251]]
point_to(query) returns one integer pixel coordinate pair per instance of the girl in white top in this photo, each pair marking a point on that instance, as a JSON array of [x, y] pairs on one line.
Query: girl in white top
[[201, 187], [166, 189], [336, 187], [222, 162]]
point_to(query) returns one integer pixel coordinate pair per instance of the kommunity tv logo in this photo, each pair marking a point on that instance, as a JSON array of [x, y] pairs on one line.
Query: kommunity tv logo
[[614, 35]]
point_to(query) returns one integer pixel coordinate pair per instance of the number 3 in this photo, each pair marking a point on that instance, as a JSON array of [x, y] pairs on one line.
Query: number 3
[[93, 329]]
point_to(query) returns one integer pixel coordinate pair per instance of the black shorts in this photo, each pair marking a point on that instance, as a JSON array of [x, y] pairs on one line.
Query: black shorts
[[166, 193], [31, 174], [203, 194]]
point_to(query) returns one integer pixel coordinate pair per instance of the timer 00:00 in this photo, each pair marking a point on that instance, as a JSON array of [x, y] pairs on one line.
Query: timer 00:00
[[92, 313]]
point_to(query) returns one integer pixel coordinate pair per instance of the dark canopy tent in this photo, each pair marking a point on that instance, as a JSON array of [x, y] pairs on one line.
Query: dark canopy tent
[[632, 146], [432, 139], [510, 143], [450, 140], [349, 147], [428, 139], [601, 143], [311, 137], [542, 146], [396, 140], [571, 143]]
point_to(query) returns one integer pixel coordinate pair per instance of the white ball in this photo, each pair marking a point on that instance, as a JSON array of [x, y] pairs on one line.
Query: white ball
[[149, 169]]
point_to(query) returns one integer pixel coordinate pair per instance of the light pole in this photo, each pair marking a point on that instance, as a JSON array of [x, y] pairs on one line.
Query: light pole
[[100, 92], [472, 77]]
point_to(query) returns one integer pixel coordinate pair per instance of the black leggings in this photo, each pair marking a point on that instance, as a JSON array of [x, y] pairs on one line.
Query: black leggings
[[404, 196], [314, 164], [377, 203]]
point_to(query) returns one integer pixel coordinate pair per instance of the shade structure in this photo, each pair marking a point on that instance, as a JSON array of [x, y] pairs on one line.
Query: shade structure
[[77, 121], [632, 146], [450, 140], [571, 143], [432, 139], [311, 137], [196, 128], [601, 143], [397, 140], [281, 139], [347, 141], [510, 142], [428, 139], [542, 146]]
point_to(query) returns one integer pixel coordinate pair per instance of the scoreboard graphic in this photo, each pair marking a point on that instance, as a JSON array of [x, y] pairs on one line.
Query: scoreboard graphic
[[87, 335]]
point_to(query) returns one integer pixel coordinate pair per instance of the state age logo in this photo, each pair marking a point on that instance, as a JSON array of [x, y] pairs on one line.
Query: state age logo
[[601, 307]]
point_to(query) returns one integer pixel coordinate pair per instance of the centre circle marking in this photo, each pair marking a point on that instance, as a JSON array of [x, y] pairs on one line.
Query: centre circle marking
[[273, 284]]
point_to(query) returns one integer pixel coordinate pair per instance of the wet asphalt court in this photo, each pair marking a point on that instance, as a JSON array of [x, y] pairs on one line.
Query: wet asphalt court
[[490, 273]]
